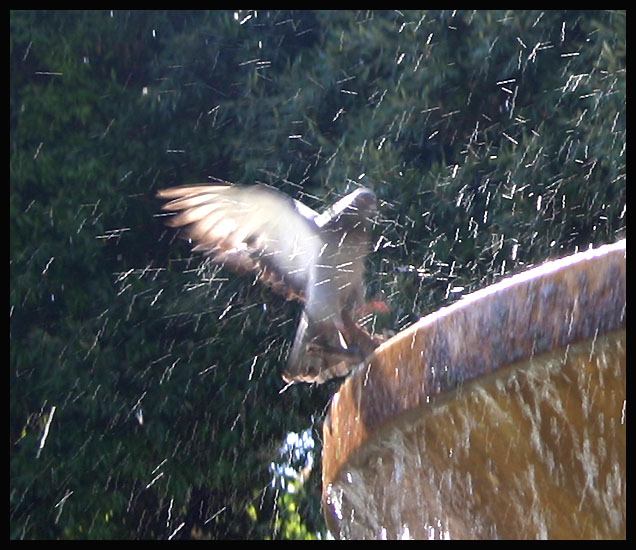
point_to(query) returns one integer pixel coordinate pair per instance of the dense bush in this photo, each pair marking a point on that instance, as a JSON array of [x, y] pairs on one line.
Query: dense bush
[[144, 396]]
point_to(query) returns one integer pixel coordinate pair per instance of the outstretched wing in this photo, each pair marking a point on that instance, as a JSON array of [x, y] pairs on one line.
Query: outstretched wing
[[255, 228]]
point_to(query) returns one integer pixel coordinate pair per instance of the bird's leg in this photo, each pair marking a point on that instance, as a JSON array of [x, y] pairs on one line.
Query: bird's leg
[[357, 345], [330, 340], [357, 337], [351, 355]]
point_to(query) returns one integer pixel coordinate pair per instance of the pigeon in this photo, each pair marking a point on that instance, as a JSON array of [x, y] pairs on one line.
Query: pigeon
[[302, 255]]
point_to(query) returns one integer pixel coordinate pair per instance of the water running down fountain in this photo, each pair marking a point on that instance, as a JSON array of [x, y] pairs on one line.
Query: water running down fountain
[[500, 416]]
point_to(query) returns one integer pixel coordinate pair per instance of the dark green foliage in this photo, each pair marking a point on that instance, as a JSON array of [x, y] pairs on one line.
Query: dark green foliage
[[495, 140]]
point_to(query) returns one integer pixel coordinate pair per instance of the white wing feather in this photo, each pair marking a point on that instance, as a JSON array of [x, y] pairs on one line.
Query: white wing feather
[[255, 228]]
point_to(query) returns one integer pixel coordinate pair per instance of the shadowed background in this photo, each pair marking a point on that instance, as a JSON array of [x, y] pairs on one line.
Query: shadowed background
[[144, 398]]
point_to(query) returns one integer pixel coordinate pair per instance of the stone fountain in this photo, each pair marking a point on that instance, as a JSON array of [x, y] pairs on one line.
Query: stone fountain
[[500, 416]]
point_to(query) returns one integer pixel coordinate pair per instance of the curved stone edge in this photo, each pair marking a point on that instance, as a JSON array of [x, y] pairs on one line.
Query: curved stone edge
[[547, 307]]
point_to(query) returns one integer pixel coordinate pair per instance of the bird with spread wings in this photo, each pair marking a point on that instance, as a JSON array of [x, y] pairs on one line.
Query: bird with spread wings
[[302, 255]]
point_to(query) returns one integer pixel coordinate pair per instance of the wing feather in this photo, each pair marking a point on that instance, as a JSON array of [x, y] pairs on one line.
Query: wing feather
[[255, 228]]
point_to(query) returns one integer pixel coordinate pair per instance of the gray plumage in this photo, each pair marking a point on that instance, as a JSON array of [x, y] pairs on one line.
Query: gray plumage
[[317, 258]]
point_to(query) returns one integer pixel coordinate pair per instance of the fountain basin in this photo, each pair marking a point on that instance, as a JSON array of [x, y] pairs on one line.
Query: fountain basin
[[500, 416]]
